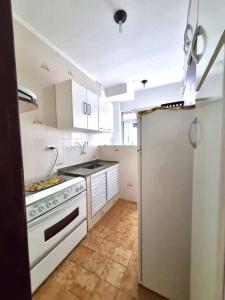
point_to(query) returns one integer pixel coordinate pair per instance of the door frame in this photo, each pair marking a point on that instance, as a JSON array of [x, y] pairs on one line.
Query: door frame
[[14, 271]]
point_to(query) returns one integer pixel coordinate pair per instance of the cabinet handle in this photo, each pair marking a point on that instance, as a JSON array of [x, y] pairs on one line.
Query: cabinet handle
[[193, 126], [188, 35], [199, 32], [89, 109], [193, 143], [84, 108]]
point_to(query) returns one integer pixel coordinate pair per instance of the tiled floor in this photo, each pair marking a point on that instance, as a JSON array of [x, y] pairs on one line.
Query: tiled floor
[[104, 265]]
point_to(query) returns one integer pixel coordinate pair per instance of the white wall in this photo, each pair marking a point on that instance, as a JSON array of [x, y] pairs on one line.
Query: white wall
[[117, 125], [38, 128], [144, 99], [153, 97], [127, 157]]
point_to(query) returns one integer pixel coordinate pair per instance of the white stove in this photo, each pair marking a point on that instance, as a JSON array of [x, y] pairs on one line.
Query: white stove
[[57, 222], [38, 203]]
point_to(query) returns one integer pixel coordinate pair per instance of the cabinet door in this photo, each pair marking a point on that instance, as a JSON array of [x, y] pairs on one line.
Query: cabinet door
[[92, 110], [98, 191], [212, 24], [112, 182], [105, 116], [79, 96], [207, 254]]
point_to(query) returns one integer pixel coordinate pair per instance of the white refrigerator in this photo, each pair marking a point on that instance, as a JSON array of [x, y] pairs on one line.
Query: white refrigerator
[[182, 194], [165, 201]]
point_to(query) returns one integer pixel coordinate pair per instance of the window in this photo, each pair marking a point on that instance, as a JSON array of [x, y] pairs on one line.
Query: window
[[129, 127]]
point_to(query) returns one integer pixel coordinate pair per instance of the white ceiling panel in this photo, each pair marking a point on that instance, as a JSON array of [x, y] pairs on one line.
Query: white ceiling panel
[[150, 45]]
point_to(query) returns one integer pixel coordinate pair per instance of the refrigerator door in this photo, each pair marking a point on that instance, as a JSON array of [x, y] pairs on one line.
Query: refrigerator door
[[207, 254], [165, 202]]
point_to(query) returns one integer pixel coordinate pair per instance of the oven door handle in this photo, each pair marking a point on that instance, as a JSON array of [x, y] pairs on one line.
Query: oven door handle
[[55, 211]]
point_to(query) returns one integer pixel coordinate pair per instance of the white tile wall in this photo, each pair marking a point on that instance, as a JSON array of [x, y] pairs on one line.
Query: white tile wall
[[36, 137]]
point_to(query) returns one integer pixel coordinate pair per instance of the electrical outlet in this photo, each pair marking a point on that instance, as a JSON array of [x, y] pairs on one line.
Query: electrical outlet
[[50, 147]]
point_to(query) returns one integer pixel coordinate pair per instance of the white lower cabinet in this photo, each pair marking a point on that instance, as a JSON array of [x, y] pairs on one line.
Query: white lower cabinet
[[104, 186], [112, 175], [98, 191]]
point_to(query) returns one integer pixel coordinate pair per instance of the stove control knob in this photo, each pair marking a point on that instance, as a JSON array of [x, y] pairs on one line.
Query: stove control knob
[[65, 195], [56, 201], [50, 203], [77, 189], [34, 211], [41, 207], [81, 187]]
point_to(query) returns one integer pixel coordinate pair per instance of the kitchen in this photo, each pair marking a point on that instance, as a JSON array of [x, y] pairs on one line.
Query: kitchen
[[110, 212]]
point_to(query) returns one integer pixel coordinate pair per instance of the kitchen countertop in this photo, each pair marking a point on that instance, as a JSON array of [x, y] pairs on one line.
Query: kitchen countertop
[[80, 170]]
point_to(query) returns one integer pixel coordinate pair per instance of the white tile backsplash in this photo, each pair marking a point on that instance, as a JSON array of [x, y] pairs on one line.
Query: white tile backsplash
[[38, 160]]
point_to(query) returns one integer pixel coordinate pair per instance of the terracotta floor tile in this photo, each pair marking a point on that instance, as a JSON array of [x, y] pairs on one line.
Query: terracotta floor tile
[[113, 236], [66, 273], [97, 263], [130, 220], [122, 296], [106, 248], [110, 224], [81, 255], [121, 255], [100, 231], [132, 229], [129, 282], [103, 291], [133, 261], [127, 242], [84, 284], [120, 226], [51, 290], [91, 242], [113, 273]]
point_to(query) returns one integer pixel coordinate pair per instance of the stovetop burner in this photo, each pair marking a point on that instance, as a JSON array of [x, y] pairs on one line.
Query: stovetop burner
[[44, 184]]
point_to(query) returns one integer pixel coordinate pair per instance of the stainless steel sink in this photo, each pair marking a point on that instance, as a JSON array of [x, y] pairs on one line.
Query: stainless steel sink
[[93, 166]]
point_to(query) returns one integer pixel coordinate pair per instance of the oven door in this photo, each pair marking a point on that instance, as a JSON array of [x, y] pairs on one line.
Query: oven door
[[46, 232]]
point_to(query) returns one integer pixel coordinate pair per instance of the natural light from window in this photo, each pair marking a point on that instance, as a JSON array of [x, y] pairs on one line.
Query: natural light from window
[[129, 127]]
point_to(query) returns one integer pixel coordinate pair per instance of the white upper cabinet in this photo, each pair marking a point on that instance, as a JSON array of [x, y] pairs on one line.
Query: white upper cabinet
[[92, 110], [76, 107], [105, 115], [79, 96], [211, 25]]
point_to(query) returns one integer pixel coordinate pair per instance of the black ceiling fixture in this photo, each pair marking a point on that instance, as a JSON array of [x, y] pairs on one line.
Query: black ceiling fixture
[[144, 81], [120, 17]]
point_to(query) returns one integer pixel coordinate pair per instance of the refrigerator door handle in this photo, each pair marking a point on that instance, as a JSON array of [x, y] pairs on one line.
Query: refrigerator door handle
[[193, 127]]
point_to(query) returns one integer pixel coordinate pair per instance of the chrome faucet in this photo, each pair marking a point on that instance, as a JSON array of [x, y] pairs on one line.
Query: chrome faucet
[[82, 148]]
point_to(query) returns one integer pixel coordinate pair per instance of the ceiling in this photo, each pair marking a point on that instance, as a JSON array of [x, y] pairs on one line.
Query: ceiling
[[150, 45]]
